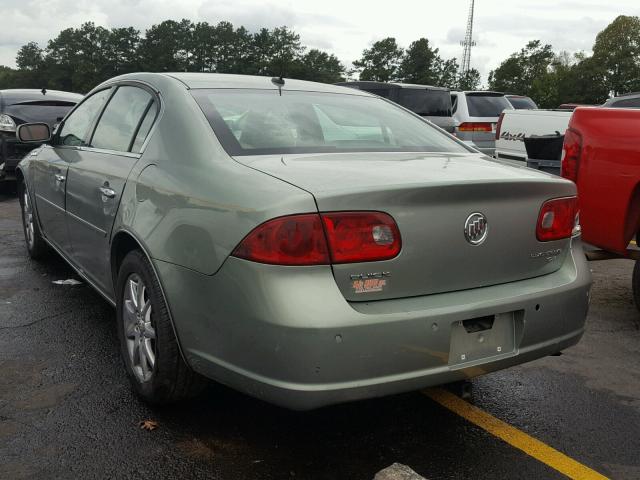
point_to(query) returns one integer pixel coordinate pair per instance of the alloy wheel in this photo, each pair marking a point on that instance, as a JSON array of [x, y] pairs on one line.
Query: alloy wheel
[[27, 214], [139, 331]]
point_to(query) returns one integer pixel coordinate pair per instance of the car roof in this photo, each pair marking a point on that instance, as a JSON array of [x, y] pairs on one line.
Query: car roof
[[371, 84], [225, 80], [11, 96]]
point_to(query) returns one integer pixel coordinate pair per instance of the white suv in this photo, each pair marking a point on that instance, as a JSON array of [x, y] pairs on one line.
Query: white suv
[[475, 115]]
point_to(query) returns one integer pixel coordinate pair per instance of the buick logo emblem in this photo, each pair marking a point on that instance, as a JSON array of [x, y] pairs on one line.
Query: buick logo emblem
[[476, 228]]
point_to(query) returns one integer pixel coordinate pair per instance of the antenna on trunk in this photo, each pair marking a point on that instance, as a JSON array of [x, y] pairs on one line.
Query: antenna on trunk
[[279, 82]]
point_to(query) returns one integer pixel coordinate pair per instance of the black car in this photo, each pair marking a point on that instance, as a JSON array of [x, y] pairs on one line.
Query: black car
[[27, 106], [433, 103]]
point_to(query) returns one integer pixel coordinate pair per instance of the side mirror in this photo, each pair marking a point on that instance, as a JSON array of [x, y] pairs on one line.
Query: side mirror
[[33, 133]]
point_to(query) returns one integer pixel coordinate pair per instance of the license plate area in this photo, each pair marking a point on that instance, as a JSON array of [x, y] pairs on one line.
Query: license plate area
[[477, 339]]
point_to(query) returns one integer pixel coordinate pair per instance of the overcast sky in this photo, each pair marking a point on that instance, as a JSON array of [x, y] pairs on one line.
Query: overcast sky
[[343, 27]]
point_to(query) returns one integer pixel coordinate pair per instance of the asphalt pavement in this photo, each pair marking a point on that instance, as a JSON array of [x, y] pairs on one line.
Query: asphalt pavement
[[67, 410]]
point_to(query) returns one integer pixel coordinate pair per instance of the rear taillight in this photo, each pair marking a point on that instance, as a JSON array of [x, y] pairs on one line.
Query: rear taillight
[[571, 159], [321, 239], [292, 240], [499, 125], [475, 127], [557, 219], [361, 236]]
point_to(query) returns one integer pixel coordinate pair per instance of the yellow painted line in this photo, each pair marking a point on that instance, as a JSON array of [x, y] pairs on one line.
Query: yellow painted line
[[514, 437]]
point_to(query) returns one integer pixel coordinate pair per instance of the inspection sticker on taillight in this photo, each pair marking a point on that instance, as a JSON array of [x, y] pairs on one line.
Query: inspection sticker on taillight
[[369, 285]]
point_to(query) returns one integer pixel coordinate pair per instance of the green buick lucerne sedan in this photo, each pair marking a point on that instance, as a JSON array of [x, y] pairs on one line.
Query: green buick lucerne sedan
[[306, 244]]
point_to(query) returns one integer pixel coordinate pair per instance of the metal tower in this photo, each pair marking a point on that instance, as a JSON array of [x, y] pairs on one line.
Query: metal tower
[[468, 42]]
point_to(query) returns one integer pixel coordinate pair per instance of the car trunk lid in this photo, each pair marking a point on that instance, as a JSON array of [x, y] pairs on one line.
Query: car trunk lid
[[431, 196]]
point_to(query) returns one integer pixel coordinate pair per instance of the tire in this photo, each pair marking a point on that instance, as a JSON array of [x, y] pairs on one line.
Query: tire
[[36, 245], [635, 284], [148, 343]]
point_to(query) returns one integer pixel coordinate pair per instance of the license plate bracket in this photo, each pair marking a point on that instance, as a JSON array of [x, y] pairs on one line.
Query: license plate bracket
[[478, 339]]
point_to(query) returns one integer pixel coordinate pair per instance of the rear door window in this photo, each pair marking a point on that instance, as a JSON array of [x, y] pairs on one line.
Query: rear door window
[[121, 118], [145, 128], [522, 103], [487, 105]]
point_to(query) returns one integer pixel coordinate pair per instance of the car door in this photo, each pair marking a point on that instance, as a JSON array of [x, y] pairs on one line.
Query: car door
[[53, 163], [96, 181]]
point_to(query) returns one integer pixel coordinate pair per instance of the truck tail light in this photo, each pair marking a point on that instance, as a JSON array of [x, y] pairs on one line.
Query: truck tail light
[[499, 125], [557, 219], [322, 239], [571, 160], [475, 127]]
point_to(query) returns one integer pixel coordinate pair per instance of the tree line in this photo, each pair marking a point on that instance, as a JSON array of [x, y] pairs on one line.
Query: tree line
[[80, 58]]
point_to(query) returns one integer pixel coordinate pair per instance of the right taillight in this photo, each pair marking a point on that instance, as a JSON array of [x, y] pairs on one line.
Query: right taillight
[[571, 159], [499, 125], [322, 239], [557, 219]]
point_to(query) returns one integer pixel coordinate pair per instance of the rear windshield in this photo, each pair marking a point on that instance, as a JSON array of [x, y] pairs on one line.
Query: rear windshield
[[522, 103], [260, 122], [487, 105], [48, 112], [432, 103]]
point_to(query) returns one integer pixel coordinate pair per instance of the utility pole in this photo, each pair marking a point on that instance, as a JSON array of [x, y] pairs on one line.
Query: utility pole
[[468, 42]]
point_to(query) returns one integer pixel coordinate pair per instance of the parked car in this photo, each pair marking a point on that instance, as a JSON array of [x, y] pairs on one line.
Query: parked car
[[22, 106], [628, 100], [304, 243], [475, 115], [521, 102], [514, 126], [433, 103]]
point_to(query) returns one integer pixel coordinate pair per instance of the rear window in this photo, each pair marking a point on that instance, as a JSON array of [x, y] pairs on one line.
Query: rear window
[[260, 122], [432, 103], [486, 105], [522, 103]]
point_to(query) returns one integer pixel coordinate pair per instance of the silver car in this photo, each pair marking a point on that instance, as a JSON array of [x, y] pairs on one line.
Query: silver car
[[475, 115], [304, 243]]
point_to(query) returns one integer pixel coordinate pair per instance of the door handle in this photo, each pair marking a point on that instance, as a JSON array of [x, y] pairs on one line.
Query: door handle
[[59, 178], [108, 192]]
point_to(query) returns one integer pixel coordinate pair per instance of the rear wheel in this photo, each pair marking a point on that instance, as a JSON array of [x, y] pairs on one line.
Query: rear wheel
[[148, 344], [36, 246], [635, 283]]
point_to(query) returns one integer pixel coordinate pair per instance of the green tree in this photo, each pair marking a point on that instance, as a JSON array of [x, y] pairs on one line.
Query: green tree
[[122, 51], [381, 61], [469, 80], [420, 64], [318, 66], [617, 52], [518, 73], [29, 57]]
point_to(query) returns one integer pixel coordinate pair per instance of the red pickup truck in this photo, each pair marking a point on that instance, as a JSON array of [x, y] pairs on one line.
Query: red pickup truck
[[602, 156]]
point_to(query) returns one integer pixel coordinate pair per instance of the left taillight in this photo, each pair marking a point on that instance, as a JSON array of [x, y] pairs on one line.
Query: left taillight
[[361, 236], [322, 239], [557, 219]]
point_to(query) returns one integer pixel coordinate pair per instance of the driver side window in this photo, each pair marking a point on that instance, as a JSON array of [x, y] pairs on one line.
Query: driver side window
[[77, 125]]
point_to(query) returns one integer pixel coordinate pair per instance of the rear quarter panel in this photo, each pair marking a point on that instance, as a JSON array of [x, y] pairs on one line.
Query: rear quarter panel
[[609, 175]]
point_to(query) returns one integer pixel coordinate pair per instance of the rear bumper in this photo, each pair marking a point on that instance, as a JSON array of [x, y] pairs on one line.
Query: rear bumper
[[286, 335]]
